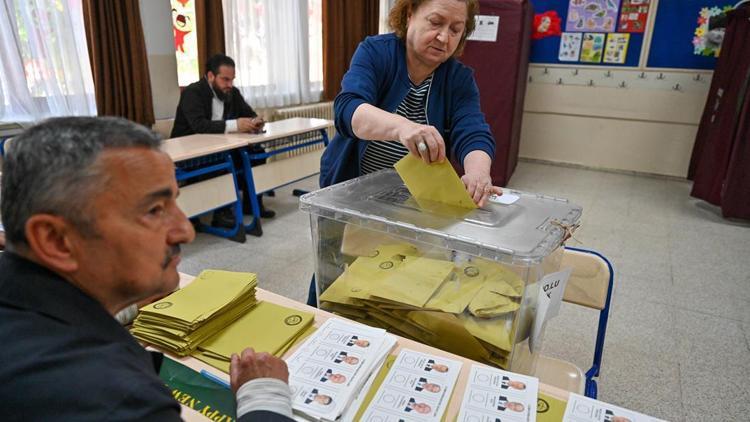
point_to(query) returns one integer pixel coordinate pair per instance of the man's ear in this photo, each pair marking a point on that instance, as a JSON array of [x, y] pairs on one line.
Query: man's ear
[[50, 239], [210, 77]]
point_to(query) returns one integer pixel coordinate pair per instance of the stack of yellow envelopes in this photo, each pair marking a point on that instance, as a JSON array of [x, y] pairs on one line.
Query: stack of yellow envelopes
[[267, 328], [466, 308], [187, 317]]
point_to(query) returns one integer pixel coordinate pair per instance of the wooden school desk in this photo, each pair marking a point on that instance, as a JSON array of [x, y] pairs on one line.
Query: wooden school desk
[[321, 316], [201, 154]]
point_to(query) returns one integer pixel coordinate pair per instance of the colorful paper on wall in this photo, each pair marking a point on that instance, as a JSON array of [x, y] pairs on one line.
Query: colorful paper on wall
[[592, 48], [592, 15], [617, 48], [570, 46], [634, 16], [705, 42]]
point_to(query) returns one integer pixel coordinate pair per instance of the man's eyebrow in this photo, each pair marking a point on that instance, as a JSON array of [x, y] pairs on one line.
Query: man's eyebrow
[[165, 193]]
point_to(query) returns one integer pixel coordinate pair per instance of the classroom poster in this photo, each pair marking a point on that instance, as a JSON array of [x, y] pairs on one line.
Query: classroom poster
[[592, 15], [617, 48], [592, 48], [633, 16], [570, 46], [704, 44]]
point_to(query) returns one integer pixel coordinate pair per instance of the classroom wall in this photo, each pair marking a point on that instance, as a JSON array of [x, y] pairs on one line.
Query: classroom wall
[[156, 16], [648, 130]]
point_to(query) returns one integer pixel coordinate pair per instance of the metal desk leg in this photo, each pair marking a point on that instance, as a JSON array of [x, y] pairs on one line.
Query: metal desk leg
[[254, 228]]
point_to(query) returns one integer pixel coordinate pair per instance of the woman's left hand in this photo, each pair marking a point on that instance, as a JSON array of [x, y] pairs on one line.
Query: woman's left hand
[[479, 185]]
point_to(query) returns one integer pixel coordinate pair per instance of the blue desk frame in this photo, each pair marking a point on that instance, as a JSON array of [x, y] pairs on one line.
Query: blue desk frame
[[254, 227]]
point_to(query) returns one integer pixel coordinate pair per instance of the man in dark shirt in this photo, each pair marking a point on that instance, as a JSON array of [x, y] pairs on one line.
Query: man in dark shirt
[[92, 226], [215, 105]]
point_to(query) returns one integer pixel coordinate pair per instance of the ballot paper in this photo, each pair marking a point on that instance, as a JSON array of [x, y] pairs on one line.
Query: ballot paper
[[584, 409], [433, 183], [331, 366], [492, 394], [418, 387]]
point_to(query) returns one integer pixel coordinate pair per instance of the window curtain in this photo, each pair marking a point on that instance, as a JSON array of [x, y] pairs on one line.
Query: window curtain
[[269, 42], [345, 25], [209, 20], [118, 59], [44, 63]]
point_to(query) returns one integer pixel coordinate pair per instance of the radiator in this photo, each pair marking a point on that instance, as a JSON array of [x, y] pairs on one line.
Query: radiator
[[317, 110]]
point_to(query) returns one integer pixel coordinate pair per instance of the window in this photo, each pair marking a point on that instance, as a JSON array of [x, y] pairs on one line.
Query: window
[[45, 69], [277, 46], [185, 41]]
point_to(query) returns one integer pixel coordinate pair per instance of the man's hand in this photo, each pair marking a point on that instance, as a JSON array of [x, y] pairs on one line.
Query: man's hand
[[253, 365], [250, 125], [2, 241]]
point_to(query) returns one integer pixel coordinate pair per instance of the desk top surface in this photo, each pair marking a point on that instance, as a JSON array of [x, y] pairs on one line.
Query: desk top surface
[[198, 145], [320, 317]]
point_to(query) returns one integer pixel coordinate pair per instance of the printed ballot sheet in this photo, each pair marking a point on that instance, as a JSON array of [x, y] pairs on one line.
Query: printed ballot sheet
[[584, 409], [493, 394], [328, 370], [417, 388]]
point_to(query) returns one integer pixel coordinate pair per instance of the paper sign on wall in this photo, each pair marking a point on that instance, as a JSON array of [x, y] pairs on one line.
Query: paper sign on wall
[[634, 16], [617, 48], [485, 29], [570, 46], [592, 48]]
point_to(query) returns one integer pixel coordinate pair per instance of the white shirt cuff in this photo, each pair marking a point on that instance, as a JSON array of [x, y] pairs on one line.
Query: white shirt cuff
[[268, 394], [231, 126], [127, 315]]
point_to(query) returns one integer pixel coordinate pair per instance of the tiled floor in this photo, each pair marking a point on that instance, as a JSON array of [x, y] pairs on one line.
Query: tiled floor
[[678, 342]]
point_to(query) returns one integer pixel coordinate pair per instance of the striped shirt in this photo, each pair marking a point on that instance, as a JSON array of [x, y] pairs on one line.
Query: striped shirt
[[384, 154]]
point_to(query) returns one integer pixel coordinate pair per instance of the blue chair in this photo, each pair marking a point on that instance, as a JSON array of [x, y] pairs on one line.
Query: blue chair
[[590, 285]]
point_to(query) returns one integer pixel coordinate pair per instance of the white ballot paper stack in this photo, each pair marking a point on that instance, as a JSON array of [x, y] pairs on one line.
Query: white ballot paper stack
[[493, 394], [332, 365], [584, 409], [417, 388]]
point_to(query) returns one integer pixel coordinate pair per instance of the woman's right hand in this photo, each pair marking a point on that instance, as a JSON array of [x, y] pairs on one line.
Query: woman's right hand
[[411, 135]]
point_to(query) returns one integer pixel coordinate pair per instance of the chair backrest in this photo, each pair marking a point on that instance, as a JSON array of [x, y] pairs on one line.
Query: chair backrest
[[163, 127], [588, 284]]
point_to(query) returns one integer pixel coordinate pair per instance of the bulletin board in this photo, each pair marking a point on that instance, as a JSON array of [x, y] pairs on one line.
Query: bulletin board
[[674, 29], [547, 50]]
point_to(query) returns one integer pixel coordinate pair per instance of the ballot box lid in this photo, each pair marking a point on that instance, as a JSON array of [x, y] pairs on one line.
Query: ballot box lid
[[525, 231]]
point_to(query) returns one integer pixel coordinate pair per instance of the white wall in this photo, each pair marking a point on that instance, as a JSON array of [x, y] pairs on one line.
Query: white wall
[[156, 17], [649, 128]]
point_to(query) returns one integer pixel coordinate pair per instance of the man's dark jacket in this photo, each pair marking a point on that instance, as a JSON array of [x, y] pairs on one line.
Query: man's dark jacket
[[194, 110], [63, 357]]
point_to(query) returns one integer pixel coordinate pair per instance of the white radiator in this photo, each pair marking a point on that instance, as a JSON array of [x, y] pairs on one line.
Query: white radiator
[[322, 110]]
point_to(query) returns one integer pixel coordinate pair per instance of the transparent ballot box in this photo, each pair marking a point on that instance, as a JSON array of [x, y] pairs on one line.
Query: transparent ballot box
[[465, 281]]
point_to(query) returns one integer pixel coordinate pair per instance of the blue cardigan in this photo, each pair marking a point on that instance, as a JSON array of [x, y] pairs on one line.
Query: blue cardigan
[[378, 76]]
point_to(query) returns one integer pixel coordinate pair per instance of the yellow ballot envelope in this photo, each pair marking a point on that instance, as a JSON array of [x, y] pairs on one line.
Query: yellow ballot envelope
[[436, 182]]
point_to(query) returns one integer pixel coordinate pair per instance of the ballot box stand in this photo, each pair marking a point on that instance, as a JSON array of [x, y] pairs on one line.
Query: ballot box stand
[[466, 281]]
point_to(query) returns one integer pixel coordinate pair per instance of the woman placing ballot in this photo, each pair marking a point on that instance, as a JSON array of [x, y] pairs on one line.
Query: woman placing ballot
[[405, 92]]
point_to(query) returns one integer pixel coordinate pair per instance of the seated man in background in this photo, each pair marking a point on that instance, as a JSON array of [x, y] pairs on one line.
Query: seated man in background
[[214, 105], [92, 226]]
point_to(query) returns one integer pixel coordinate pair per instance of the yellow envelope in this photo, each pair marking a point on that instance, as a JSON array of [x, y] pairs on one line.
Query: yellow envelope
[[436, 182], [266, 328], [495, 331], [414, 281], [455, 294]]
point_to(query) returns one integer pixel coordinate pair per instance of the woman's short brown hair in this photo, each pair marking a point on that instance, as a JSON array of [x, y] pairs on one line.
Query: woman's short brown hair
[[399, 16]]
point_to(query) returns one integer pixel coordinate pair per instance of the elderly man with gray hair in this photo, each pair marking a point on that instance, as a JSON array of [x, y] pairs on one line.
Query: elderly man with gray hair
[[92, 227]]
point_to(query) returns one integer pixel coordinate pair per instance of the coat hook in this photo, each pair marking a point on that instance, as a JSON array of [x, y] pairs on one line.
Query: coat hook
[[608, 74], [661, 76], [697, 77], [575, 72], [622, 84], [591, 82], [546, 71], [559, 81], [531, 79], [642, 75], [677, 87]]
